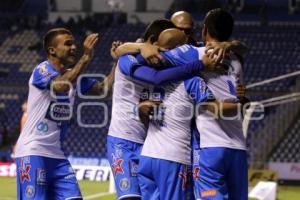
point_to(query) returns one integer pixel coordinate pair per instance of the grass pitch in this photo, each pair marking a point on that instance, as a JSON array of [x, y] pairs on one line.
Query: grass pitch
[[97, 190]]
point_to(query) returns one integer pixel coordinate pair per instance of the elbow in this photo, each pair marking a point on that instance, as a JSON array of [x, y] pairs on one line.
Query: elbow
[[61, 88]]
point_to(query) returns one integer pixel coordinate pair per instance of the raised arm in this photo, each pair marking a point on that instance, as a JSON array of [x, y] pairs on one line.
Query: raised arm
[[59, 83], [105, 86], [148, 51]]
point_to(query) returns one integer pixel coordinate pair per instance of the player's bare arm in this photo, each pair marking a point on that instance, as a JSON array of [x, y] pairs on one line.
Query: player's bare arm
[[149, 52], [59, 83], [113, 49], [104, 87]]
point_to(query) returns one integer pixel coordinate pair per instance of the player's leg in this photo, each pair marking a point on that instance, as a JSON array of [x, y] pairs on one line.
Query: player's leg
[[148, 187], [32, 179], [171, 179], [237, 178], [212, 173], [123, 156], [64, 184]]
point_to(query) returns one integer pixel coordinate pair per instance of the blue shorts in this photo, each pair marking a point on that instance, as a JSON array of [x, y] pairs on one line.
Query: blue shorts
[[41, 177], [220, 173], [123, 156], [163, 179]]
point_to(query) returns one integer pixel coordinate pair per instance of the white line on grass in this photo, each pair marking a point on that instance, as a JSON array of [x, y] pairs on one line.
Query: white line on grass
[[101, 194]]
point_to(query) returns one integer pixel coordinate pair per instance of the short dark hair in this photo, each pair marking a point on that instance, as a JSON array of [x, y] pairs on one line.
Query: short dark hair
[[156, 27], [51, 35], [219, 24]]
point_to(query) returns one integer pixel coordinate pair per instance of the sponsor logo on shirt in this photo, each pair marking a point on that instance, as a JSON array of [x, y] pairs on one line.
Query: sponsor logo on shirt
[[30, 191], [124, 184], [59, 112], [42, 127], [41, 177]]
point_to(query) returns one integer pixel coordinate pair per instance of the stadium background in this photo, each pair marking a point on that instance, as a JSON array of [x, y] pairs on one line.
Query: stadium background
[[270, 28]]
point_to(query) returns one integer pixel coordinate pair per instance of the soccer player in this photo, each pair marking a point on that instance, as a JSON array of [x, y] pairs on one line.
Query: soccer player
[[222, 157], [43, 172], [184, 21], [126, 132]]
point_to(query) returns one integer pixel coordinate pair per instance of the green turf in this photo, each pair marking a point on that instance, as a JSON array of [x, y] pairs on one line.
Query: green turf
[[8, 190]]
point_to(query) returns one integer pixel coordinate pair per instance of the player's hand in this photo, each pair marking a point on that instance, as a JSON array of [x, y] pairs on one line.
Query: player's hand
[[89, 44], [113, 48], [146, 109], [151, 54], [211, 65], [217, 50]]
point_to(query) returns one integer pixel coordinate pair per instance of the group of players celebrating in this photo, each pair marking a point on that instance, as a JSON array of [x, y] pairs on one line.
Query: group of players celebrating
[[176, 128]]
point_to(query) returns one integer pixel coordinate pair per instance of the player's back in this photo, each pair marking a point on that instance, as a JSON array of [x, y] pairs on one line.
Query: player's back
[[127, 93], [168, 134], [223, 131], [226, 133], [43, 131]]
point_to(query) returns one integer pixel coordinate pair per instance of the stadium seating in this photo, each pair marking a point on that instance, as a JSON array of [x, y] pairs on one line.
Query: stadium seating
[[287, 150], [21, 50]]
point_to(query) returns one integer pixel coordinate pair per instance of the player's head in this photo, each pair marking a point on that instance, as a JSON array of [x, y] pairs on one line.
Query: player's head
[[171, 38], [217, 25], [59, 43], [155, 28], [183, 21]]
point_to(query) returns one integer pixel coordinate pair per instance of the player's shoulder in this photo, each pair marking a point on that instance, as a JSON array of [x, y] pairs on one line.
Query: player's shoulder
[[126, 63], [43, 68]]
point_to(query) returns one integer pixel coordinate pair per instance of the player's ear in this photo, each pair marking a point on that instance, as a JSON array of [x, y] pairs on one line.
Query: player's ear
[[51, 50]]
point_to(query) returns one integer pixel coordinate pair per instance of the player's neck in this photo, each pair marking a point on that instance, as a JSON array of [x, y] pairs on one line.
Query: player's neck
[[56, 64]]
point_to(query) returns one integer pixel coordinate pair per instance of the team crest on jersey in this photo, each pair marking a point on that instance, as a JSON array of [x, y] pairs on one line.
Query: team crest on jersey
[[133, 168], [117, 165], [30, 191], [41, 177], [124, 184], [24, 170]]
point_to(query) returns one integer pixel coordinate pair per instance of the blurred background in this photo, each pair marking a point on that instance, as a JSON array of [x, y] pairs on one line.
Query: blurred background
[[271, 29]]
